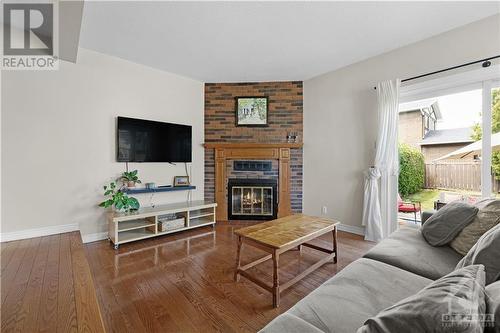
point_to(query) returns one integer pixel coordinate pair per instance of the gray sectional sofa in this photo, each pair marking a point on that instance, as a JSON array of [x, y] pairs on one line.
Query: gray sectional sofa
[[394, 269]]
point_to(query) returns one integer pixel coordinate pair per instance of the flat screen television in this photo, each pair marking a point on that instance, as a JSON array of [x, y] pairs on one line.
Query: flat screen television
[[152, 141]]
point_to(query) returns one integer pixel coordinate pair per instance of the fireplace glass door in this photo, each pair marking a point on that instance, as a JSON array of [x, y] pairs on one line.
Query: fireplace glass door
[[252, 200]]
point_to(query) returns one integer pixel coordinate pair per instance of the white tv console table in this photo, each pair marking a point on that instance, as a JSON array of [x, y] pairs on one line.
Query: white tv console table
[[146, 222]]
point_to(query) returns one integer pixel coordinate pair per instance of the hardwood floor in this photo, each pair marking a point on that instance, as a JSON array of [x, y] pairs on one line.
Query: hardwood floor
[[176, 283], [46, 286], [184, 282]]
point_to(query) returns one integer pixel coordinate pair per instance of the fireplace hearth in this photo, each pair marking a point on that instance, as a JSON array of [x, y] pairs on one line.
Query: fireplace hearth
[[252, 199]]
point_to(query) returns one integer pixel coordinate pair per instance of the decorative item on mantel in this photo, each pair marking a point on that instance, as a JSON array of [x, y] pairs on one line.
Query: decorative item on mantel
[[292, 137], [130, 178]]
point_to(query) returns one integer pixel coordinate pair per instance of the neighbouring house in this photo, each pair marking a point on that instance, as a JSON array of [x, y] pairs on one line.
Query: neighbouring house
[[418, 128], [438, 143], [416, 119]]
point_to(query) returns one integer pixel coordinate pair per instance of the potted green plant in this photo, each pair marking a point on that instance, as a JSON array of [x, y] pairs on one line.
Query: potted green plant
[[118, 199], [130, 178]]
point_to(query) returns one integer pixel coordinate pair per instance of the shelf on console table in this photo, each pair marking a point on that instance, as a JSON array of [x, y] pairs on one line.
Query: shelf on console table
[[134, 224], [141, 224], [200, 221], [159, 189]]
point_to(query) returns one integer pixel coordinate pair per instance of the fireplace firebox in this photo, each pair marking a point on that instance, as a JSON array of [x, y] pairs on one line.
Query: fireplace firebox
[[252, 199]]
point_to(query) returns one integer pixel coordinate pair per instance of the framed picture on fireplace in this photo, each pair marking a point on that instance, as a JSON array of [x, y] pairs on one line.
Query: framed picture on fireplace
[[251, 111]]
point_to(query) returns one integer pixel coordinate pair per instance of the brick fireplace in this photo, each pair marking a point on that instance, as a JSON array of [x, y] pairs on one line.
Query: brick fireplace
[[227, 144]]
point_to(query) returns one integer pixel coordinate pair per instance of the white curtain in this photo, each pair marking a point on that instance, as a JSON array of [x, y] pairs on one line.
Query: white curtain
[[371, 206], [379, 209]]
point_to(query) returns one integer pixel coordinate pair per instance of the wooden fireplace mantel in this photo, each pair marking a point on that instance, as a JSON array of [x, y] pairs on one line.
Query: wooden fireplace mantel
[[257, 151], [214, 145]]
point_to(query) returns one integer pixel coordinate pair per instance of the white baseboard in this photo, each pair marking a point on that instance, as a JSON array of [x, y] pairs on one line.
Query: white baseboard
[[37, 232], [94, 237], [352, 229]]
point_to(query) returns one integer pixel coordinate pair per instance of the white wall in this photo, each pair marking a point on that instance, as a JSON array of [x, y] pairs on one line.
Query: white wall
[[58, 137], [340, 114]]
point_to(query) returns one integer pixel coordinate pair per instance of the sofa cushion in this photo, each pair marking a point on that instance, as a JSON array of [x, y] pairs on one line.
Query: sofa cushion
[[407, 249], [461, 293], [486, 252], [487, 217], [444, 225], [291, 324], [493, 307], [359, 291]]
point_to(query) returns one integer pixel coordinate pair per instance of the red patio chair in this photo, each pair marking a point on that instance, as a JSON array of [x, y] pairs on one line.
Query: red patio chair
[[409, 207]]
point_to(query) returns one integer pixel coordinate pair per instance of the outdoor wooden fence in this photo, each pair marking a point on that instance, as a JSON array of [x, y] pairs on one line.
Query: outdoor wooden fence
[[456, 175]]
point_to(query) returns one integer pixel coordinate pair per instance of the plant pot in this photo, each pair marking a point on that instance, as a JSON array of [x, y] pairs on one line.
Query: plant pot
[[130, 184]]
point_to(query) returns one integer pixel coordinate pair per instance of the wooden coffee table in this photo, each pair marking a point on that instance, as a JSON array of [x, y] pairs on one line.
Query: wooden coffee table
[[281, 235]]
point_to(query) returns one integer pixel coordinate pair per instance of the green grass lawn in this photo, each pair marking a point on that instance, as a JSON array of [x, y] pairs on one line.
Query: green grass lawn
[[426, 197]]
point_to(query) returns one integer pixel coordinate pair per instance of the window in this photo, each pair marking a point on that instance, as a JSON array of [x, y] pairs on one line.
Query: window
[[460, 146]]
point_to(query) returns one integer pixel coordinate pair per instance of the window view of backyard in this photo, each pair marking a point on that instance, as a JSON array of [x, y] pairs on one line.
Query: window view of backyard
[[440, 151]]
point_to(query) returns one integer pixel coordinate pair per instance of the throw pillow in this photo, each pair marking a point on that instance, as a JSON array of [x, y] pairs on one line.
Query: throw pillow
[[487, 217], [446, 223], [492, 324], [451, 304], [485, 252]]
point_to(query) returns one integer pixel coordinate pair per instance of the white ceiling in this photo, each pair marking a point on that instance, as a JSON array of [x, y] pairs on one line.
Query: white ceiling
[[264, 41]]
